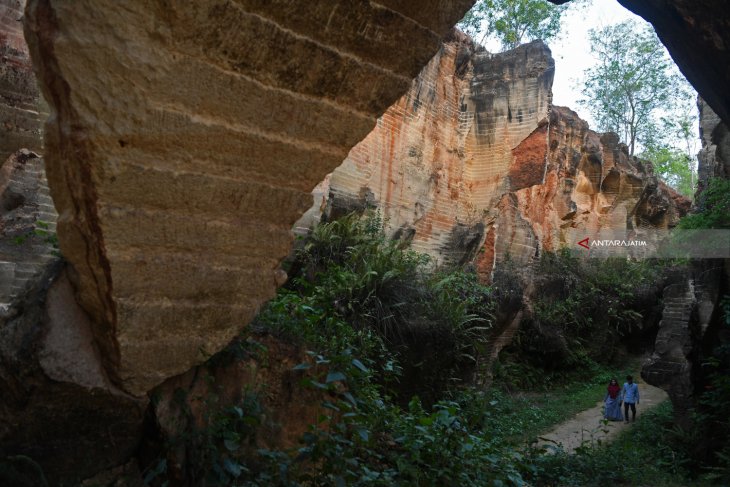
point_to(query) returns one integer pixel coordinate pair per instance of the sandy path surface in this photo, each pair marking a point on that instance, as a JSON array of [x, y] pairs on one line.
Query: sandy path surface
[[587, 425]]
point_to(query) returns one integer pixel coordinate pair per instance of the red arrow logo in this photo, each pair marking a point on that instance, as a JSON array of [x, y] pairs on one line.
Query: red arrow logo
[[584, 243]]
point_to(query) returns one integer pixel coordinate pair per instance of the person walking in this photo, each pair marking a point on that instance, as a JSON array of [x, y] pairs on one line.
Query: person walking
[[630, 397], [612, 402]]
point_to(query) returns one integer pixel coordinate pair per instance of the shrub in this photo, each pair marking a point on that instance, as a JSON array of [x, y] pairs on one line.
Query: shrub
[[646, 454], [359, 290], [713, 209], [582, 310]]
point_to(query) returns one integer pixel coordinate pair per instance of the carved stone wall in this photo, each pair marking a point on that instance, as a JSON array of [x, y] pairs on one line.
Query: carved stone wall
[[184, 140], [27, 226], [474, 162], [22, 110]]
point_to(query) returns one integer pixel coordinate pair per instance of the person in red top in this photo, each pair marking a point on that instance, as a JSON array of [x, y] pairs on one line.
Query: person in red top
[[612, 402]]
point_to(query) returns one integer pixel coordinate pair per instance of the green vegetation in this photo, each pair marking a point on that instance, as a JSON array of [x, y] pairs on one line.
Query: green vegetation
[[584, 311], [43, 232], [708, 443], [648, 453], [633, 84], [674, 167], [714, 207], [636, 91], [358, 290], [521, 416], [513, 22], [394, 346]]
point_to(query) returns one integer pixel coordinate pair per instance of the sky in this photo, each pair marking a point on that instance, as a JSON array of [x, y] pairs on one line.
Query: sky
[[572, 51]]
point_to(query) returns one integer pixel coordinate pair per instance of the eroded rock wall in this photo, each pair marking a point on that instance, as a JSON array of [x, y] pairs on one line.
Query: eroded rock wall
[[22, 110], [474, 163], [27, 226], [590, 185], [714, 156], [437, 161], [184, 140], [691, 325], [58, 406]]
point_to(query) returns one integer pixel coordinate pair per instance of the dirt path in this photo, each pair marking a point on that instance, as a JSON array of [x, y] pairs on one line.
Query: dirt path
[[587, 424]]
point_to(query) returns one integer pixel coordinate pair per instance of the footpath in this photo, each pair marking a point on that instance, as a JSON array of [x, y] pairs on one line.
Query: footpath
[[588, 425]]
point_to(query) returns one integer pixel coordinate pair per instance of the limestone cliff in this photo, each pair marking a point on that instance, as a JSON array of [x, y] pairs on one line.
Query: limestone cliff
[[473, 162], [691, 325], [184, 142], [437, 160], [27, 226], [22, 110], [714, 157]]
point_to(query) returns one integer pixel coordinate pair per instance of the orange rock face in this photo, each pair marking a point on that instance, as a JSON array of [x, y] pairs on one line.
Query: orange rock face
[[474, 164], [437, 162]]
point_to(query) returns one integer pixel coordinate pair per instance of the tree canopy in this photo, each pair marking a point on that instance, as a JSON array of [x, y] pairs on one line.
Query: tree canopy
[[635, 90], [513, 22], [633, 85], [674, 167]]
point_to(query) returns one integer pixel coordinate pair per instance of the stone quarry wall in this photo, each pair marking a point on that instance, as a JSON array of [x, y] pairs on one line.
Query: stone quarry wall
[[22, 110], [714, 156], [436, 162], [691, 317], [474, 163], [27, 226], [172, 136], [184, 142]]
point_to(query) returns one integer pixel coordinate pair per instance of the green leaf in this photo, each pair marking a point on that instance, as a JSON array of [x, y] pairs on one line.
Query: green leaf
[[363, 433], [350, 398], [234, 468], [231, 445], [335, 376], [359, 365]]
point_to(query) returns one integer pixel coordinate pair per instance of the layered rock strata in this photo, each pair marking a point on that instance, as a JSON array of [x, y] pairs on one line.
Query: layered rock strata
[[691, 325], [474, 163], [437, 162], [58, 406], [714, 156], [687, 332], [184, 142], [27, 226], [22, 110]]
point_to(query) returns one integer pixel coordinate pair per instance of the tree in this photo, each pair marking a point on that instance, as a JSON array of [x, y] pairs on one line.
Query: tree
[[674, 167], [513, 22], [633, 84], [673, 147]]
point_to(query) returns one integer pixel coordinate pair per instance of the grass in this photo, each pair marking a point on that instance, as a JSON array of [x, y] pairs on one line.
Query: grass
[[390, 345], [644, 455], [522, 416]]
